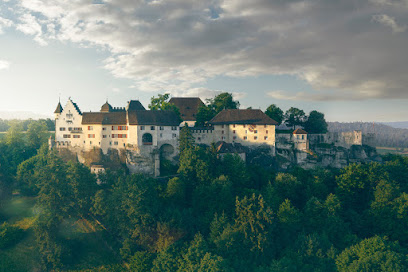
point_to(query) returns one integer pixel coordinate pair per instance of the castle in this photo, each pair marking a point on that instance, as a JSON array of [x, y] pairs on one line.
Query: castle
[[144, 137]]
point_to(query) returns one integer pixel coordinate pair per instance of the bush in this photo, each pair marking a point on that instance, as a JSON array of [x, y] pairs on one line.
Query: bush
[[10, 235]]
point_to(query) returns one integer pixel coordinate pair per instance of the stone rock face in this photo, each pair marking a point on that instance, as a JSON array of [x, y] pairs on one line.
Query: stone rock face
[[138, 163], [325, 156]]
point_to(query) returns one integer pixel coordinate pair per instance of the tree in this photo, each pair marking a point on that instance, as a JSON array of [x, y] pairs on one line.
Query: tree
[[214, 106], [275, 113], [294, 117], [141, 261], [37, 134], [316, 123], [161, 103], [224, 101], [186, 139], [199, 258], [204, 114], [373, 254]]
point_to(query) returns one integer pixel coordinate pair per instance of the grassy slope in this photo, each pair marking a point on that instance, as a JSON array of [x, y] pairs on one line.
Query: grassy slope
[[89, 249]]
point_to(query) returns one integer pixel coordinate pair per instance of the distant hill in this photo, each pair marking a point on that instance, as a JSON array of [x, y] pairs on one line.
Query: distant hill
[[385, 135], [22, 115], [397, 124]]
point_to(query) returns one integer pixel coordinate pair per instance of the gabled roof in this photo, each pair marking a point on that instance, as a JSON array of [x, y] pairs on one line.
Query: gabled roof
[[135, 105], [299, 131], [104, 118], [248, 116], [153, 117], [76, 107], [188, 106], [223, 147], [59, 108]]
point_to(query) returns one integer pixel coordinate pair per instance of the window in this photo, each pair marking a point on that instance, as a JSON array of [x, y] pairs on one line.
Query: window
[[69, 115], [67, 136], [255, 131], [233, 125], [173, 128], [265, 126], [91, 135], [223, 138], [222, 132], [244, 126], [199, 139], [62, 129], [266, 138], [104, 128], [152, 127], [161, 135], [115, 143], [90, 127], [222, 126], [76, 136], [233, 131], [90, 142], [234, 138], [245, 137], [255, 137], [174, 135], [70, 129], [161, 128], [147, 139], [303, 137], [104, 136], [266, 131], [142, 128]]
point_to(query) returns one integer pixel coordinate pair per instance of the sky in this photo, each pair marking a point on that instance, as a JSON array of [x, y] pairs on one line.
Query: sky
[[346, 58]]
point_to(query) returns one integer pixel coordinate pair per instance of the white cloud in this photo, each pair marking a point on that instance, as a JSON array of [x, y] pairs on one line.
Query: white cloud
[[4, 23], [177, 45], [390, 22], [29, 25], [4, 65]]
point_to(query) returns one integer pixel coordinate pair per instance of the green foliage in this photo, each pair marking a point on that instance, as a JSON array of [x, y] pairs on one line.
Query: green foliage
[[315, 123], [214, 106], [162, 103], [223, 101], [295, 117], [373, 254], [204, 114], [197, 258], [37, 134], [9, 235], [275, 113], [142, 261]]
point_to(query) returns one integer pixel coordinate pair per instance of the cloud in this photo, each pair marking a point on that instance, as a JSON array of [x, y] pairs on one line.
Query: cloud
[[4, 23], [390, 22], [4, 65], [319, 96], [178, 45], [29, 25]]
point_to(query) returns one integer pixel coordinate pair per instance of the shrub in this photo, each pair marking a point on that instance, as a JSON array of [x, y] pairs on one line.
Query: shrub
[[9, 235]]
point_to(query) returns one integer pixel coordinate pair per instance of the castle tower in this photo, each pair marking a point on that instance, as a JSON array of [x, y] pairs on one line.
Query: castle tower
[[58, 111]]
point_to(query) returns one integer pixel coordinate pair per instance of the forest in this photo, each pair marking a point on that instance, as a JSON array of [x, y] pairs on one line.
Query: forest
[[214, 214]]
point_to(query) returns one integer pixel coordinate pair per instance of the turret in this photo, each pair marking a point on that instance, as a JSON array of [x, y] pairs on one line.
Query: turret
[[106, 107], [58, 111]]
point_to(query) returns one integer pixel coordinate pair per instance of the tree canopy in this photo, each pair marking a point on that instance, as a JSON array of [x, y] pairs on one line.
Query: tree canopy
[[275, 113]]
